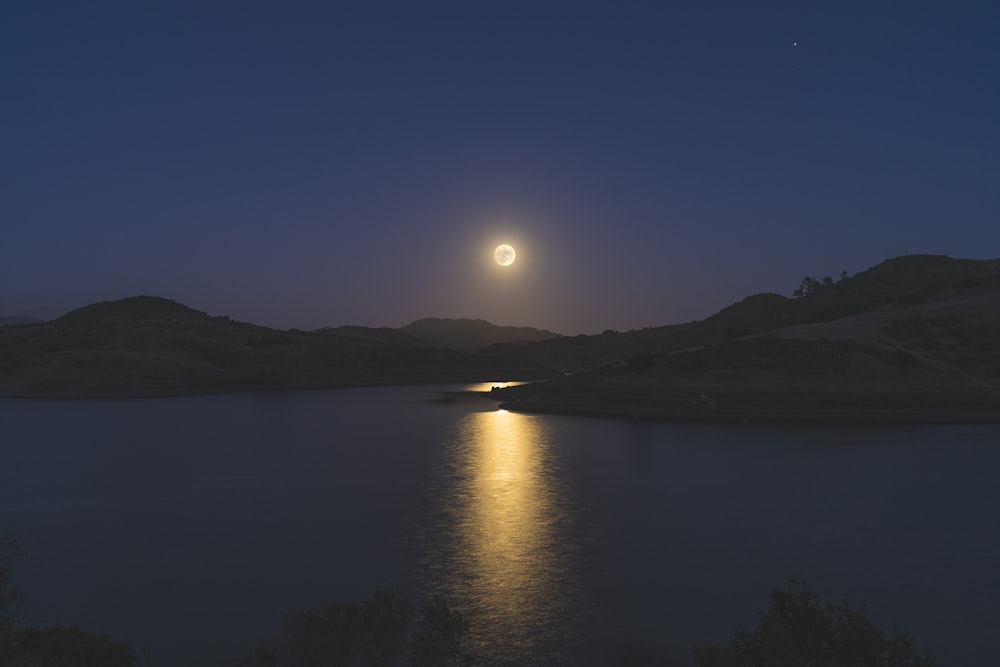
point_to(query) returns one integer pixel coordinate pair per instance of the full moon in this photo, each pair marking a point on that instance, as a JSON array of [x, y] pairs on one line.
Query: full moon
[[504, 255]]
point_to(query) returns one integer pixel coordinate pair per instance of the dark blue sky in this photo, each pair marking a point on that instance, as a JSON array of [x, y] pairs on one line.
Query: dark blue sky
[[321, 164]]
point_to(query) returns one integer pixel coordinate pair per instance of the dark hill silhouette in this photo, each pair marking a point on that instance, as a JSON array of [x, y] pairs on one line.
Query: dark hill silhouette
[[471, 335], [135, 308], [148, 346], [897, 282], [914, 338]]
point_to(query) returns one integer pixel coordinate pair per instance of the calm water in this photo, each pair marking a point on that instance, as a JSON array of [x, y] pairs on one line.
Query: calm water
[[191, 523]]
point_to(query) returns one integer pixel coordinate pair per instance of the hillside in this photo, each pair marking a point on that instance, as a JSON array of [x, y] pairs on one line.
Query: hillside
[[147, 346], [471, 335], [897, 282], [915, 338]]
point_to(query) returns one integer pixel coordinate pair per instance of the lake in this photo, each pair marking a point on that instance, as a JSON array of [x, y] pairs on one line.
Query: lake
[[190, 524]]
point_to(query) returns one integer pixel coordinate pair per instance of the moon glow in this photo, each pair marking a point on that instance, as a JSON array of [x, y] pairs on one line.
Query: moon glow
[[504, 255]]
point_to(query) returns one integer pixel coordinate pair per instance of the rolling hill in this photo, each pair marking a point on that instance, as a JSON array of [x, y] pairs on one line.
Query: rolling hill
[[898, 282], [149, 346], [914, 338]]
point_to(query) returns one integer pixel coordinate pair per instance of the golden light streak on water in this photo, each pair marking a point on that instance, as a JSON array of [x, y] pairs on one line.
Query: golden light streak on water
[[507, 559], [486, 386]]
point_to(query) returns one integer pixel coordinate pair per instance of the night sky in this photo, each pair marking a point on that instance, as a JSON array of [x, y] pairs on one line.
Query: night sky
[[325, 164]]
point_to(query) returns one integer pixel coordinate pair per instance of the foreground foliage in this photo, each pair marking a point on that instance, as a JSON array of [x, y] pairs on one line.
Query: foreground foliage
[[67, 646], [384, 629], [57, 646], [11, 598], [798, 628]]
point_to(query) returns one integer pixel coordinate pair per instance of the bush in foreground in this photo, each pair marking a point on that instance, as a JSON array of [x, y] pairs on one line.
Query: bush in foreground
[[57, 646], [384, 629], [798, 628]]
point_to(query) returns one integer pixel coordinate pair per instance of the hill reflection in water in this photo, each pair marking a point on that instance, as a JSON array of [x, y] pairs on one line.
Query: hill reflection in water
[[504, 553]]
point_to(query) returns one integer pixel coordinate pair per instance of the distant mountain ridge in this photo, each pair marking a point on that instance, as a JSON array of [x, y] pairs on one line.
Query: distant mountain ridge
[[471, 334], [6, 320], [386, 335]]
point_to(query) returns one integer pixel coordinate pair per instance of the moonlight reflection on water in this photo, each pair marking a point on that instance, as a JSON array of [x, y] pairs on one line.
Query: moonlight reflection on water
[[503, 553]]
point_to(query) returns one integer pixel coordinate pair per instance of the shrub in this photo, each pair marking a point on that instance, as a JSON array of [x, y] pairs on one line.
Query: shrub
[[798, 628]]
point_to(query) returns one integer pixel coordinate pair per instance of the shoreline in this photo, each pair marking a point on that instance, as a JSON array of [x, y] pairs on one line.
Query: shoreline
[[773, 415], [755, 404], [746, 405], [182, 391]]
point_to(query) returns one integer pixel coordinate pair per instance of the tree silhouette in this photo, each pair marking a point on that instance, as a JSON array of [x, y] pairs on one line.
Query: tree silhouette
[[798, 628], [11, 598], [806, 287], [383, 629], [441, 637], [57, 646]]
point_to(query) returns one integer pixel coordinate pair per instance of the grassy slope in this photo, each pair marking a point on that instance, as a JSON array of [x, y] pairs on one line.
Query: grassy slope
[[913, 338]]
